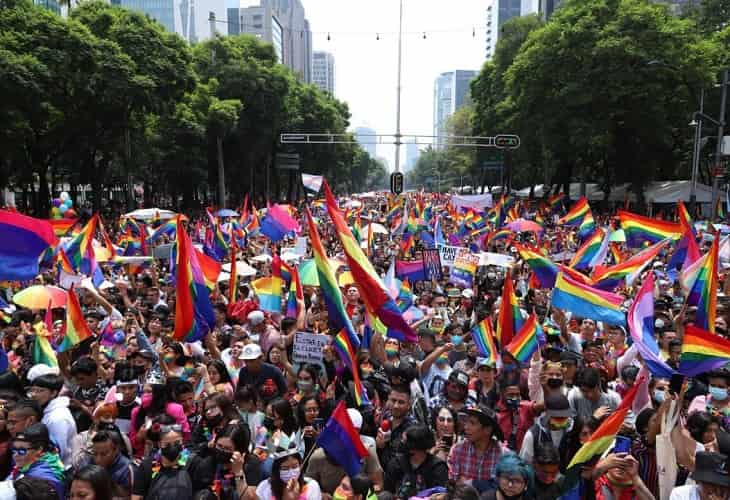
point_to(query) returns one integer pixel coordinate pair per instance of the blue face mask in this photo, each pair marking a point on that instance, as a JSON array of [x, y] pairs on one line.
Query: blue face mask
[[457, 339], [718, 393], [659, 395]]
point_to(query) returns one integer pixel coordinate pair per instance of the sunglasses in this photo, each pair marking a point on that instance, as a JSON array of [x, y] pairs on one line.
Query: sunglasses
[[20, 451], [164, 429]]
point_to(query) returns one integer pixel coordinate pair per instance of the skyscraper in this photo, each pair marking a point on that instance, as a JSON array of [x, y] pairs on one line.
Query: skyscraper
[[281, 23], [51, 5], [499, 11], [323, 70], [187, 18], [412, 154], [365, 136], [450, 92], [548, 7]]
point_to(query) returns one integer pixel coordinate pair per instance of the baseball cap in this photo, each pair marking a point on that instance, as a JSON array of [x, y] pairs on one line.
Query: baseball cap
[[467, 293], [250, 352], [255, 317], [556, 405]]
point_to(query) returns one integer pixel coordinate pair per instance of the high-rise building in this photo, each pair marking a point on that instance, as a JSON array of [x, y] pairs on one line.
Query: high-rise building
[[548, 7], [412, 154], [678, 6], [365, 137], [450, 92], [323, 70], [499, 12], [281, 23], [51, 5], [187, 18]]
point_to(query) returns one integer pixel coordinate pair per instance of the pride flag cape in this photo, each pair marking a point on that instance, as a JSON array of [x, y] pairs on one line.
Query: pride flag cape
[[23, 239], [76, 328], [341, 440], [576, 214], [603, 438], [268, 291], [372, 290], [346, 342], [193, 311], [700, 282], [608, 278], [589, 253], [587, 301], [639, 229], [543, 268], [641, 326], [483, 336], [702, 351], [526, 342], [509, 318], [278, 223]]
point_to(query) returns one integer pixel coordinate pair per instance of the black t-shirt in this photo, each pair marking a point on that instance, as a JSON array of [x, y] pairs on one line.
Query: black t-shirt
[[269, 381], [405, 482], [167, 483], [204, 471]]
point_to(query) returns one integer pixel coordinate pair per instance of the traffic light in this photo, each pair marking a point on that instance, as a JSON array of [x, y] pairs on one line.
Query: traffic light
[[396, 183], [507, 141]]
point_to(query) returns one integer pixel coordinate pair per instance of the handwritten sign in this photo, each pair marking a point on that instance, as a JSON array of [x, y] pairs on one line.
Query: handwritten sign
[[308, 347], [462, 273], [448, 254], [432, 264]]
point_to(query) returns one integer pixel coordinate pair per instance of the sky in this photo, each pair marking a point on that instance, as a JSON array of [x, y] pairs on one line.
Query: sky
[[366, 68]]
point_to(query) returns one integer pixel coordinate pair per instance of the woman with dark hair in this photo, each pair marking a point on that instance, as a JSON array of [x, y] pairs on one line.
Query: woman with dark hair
[[246, 402], [218, 412], [307, 382], [280, 417], [358, 487], [310, 422], [217, 379], [227, 466], [91, 482], [286, 481], [156, 401], [446, 432]]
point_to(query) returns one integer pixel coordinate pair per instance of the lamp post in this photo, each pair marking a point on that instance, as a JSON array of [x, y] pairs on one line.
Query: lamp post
[[398, 89], [696, 155], [717, 171]]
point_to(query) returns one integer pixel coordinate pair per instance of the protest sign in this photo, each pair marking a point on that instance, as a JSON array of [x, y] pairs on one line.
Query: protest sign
[[465, 265], [496, 259], [308, 347], [431, 264], [447, 254]]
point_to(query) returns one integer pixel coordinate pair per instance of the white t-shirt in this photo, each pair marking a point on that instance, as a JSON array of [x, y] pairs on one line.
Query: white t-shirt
[[687, 492], [313, 492], [430, 388]]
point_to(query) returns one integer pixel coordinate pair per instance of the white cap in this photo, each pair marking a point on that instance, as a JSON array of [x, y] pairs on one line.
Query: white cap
[[467, 293], [41, 369], [355, 417], [255, 317], [251, 351]]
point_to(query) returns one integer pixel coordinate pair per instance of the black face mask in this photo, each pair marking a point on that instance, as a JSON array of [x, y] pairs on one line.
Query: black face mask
[[223, 457], [554, 383], [172, 451], [215, 420]]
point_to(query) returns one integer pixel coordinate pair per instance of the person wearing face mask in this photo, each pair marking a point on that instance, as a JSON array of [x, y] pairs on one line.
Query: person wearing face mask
[[515, 480], [310, 423], [554, 427], [455, 393], [435, 370], [287, 481], [416, 469], [247, 404], [162, 475], [658, 391], [548, 480], [217, 412], [514, 415], [307, 383], [355, 488], [227, 467], [483, 389], [717, 398]]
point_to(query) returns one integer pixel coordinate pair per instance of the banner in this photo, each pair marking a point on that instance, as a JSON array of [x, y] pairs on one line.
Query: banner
[[465, 265], [448, 254], [308, 347], [496, 259], [431, 264], [478, 201]]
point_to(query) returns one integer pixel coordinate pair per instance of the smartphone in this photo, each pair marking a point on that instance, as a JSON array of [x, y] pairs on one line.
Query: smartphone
[[448, 440], [623, 445], [675, 383], [318, 423]]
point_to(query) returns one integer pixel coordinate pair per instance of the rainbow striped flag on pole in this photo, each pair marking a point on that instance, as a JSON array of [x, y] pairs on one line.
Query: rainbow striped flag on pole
[[527, 340], [483, 337], [702, 351], [587, 301], [76, 328]]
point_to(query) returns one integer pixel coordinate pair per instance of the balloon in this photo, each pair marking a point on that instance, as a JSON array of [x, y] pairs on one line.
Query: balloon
[[70, 202], [70, 213], [119, 337], [55, 213], [64, 196], [63, 209], [56, 202], [65, 205]]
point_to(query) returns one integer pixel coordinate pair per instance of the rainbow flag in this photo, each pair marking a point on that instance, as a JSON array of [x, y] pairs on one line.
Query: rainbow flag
[[341, 440], [407, 243], [618, 257], [278, 223], [77, 248], [576, 214], [609, 278], [357, 229], [210, 269], [483, 336], [639, 229], [373, 292], [62, 226], [588, 302], [526, 342], [700, 283], [686, 251], [603, 438], [499, 234], [684, 217], [509, 318], [43, 352], [592, 252], [404, 299], [233, 280], [24, 239], [268, 291], [253, 226], [543, 268], [167, 229], [702, 351], [556, 201], [194, 314], [76, 328], [587, 226], [296, 293], [346, 341]]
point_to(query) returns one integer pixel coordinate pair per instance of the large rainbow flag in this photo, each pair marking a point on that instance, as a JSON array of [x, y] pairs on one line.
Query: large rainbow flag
[[639, 229], [509, 318], [544, 269], [608, 278], [702, 351], [700, 283], [483, 336], [268, 291], [592, 252], [526, 342], [587, 301], [76, 328], [576, 214]]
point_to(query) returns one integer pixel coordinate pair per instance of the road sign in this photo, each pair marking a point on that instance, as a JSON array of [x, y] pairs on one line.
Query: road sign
[[507, 141], [396, 183], [287, 161], [492, 165]]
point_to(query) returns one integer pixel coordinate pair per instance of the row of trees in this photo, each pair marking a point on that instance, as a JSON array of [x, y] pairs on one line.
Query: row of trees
[[602, 92], [108, 98]]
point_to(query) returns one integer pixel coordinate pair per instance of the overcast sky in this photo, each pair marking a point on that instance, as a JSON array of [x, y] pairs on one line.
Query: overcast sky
[[366, 69]]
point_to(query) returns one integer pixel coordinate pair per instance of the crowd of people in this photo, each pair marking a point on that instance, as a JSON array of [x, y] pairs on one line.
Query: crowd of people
[[131, 412]]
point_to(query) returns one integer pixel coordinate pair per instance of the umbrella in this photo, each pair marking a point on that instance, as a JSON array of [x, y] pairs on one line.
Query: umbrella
[[377, 228], [150, 213], [345, 279], [227, 212], [524, 226], [242, 269], [38, 297], [617, 236]]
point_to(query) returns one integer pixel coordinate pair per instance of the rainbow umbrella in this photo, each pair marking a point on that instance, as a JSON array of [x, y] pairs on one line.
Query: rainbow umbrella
[[525, 226], [38, 297]]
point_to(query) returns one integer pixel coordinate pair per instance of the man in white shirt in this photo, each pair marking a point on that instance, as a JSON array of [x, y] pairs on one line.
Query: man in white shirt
[[711, 476]]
